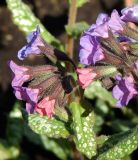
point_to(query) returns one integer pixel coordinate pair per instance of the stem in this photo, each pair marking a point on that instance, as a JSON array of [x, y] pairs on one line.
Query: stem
[[71, 21], [129, 3]]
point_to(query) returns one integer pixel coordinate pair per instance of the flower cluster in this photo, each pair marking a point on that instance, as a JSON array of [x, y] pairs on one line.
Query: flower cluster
[[44, 87], [107, 50]]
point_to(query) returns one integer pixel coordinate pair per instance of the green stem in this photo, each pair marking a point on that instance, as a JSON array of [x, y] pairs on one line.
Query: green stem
[[71, 21]]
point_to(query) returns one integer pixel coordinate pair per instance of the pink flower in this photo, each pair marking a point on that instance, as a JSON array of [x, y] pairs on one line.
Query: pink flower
[[46, 107], [20, 75], [86, 76]]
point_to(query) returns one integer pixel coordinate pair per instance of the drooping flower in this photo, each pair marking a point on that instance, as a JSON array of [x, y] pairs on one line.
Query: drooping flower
[[29, 95], [34, 41], [46, 107], [115, 23], [124, 91], [90, 50], [44, 90], [130, 14], [20, 74], [85, 76], [100, 29]]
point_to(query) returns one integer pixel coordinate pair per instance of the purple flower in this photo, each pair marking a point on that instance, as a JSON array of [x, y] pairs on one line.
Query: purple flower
[[90, 51], [29, 95], [130, 14], [124, 91], [20, 74], [34, 40], [115, 23], [136, 64], [100, 29]]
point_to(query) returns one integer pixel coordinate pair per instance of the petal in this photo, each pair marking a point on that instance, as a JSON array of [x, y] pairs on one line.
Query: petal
[[46, 107], [34, 40], [130, 14], [102, 18], [115, 22], [20, 74]]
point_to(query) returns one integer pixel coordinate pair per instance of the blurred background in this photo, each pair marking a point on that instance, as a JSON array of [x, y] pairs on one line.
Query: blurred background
[[54, 16]]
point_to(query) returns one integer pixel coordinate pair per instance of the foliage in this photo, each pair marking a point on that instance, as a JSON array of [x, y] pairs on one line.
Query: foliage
[[84, 120]]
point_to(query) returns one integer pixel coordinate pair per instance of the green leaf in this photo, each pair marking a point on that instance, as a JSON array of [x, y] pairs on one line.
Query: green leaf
[[120, 145], [134, 45], [120, 125], [76, 29], [59, 147], [82, 126], [24, 18], [15, 125], [96, 90], [50, 127], [7, 151]]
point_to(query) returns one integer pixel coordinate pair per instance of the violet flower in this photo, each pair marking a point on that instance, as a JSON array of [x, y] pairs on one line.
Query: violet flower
[[29, 95], [130, 14], [115, 23], [90, 51], [34, 40], [124, 91], [20, 74]]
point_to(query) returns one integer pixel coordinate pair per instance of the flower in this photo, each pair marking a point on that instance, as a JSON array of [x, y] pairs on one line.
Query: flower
[[90, 48], [34, 40], [46, 107], [124, 91], [90, 51], [130, 14], [115, 23], [85, 76], [20, 74], [29, 95], [136, 64], [45, 85]]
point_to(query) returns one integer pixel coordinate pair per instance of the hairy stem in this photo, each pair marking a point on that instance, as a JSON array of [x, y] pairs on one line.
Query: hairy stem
[[71, 21]]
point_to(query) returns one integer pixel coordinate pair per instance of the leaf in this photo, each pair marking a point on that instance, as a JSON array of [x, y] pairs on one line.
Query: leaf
[[7, 151], [24, 18], [83, 129], [50, 127], [96, 90], [120, 145], [15, 125], [120, 125], [59, 147], [76, 29]]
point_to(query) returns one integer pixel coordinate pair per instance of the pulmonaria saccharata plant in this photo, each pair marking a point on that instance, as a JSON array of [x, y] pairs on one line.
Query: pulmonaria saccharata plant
[[107, 49], [43, 87]]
